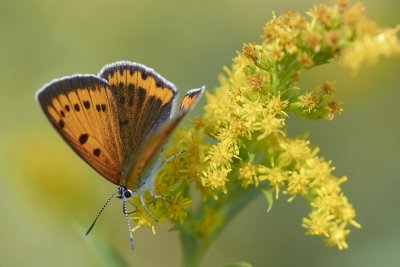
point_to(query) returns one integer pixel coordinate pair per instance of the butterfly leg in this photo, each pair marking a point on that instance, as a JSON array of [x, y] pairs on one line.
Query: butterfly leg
[[171, 158], [128, 222], [151, 191], [146, 208], [135, 208]]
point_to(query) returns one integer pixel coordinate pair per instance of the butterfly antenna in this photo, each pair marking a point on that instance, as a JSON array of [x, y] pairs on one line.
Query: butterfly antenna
[[98, 214], [128, 222]]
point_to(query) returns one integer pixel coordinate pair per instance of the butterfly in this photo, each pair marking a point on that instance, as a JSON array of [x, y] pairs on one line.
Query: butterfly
[[118, 122]]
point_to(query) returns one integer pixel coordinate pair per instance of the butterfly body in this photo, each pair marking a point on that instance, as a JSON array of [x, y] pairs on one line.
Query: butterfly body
[[117, 121]]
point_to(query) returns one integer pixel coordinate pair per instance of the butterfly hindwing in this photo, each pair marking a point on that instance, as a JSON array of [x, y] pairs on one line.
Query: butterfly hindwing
[[147, 155], [191, 98], [81, 109], [144, 102]]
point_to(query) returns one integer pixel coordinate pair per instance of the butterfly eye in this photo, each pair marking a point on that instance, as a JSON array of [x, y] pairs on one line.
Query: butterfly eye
[[127, 194]]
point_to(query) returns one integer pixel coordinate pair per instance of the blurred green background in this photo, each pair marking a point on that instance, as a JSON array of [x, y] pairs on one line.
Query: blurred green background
[[48, 196]]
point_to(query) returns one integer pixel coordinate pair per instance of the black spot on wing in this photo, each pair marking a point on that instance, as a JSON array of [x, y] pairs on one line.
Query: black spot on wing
[[96, 152], [83, 138], [77, 107], [86, 104], [61, 123]]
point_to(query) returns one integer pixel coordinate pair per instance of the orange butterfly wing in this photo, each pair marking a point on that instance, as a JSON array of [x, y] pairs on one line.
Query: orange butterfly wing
[[147, 155], [82, 110], [144, 102], [191, 98], [116, 121]]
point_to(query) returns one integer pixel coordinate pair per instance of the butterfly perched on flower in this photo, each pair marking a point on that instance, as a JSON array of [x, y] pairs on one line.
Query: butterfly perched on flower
[[118, 122]]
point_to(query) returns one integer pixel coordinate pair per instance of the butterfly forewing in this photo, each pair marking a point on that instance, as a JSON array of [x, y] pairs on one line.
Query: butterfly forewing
[[144, 102], [82, 110], [146, 155]]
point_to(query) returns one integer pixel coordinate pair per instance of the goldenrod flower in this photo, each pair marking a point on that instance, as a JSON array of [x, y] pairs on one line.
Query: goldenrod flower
[[241, 144], [215, 178], [319, 169], [222, 154], [177, 208], [318, 223], [276, 105], [142, 218], [371, 47], [248, 175], [337, 236], [268, 124], [256, 81], [250, 51], [294, 150], [305, 60], [275, 176], [323, 14], [308, 101], [297, 184]]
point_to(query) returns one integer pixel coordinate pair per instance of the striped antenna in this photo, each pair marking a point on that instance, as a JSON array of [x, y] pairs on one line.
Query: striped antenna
[[98, 214]]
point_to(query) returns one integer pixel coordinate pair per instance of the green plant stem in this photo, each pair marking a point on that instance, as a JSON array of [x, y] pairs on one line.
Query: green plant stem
[[193, 246], [193, 249]]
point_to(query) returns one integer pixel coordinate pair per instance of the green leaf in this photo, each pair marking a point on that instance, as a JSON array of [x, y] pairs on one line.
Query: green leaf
[[268, 194], [238, 264]]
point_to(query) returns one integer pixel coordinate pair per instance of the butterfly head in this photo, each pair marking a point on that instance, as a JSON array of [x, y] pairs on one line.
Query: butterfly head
[[124, 193]]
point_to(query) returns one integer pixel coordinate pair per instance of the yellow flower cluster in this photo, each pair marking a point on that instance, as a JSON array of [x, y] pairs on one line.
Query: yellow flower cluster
[[241, 142]]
